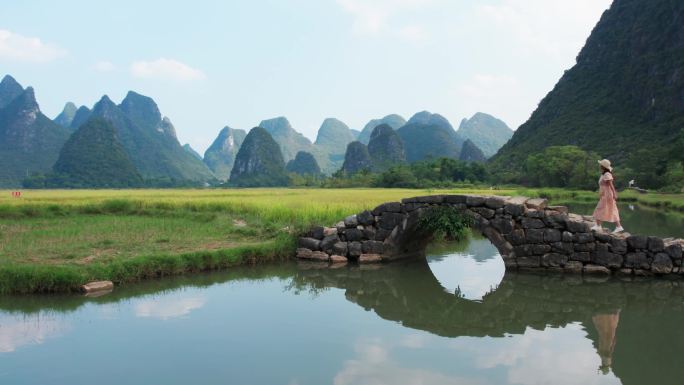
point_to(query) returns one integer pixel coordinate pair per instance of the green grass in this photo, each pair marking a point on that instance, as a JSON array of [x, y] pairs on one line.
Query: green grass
[[56, 240]]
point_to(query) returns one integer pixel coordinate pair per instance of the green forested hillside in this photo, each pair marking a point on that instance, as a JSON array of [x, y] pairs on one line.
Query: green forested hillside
[[29, 141], [259, 162], [624, 99], [93, 157]]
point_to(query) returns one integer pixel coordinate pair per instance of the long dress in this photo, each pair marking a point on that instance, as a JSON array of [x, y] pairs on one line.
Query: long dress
[[606, 209]]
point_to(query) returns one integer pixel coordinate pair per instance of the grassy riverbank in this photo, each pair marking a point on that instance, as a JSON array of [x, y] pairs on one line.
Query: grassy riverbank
[[56, 240]]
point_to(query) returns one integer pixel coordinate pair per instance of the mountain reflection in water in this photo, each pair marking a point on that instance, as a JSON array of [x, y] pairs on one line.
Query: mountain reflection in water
[[299, 323], [635, 327]]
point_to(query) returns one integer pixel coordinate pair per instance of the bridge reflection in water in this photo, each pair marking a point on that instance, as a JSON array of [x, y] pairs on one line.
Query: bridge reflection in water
[[637, 328]]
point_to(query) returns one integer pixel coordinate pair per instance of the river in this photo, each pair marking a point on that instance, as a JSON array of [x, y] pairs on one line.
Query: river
[[453, 318]]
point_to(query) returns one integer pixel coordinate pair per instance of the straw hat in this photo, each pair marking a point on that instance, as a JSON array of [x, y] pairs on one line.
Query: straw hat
[[606, 164]]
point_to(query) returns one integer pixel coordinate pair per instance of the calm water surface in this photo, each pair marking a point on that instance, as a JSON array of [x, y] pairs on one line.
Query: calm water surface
[[454, 318]]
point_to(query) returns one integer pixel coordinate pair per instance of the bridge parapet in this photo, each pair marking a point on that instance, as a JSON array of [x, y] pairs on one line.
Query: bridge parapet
[[529, 234]]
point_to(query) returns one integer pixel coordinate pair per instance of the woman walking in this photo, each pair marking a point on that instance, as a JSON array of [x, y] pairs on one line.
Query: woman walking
[[606, 209]]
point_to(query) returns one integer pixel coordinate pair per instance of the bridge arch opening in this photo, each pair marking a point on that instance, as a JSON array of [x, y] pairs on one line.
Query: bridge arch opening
[[469, 268]]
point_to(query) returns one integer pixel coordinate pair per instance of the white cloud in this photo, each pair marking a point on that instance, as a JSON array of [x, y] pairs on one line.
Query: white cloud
[[27, 49], [165, 69], [373, 17], [533, 358], [374, 366], [167, 308], [20, 330], [105, 66]]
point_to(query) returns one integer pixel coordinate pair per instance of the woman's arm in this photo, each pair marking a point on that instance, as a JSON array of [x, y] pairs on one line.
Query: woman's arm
[[612, 188]]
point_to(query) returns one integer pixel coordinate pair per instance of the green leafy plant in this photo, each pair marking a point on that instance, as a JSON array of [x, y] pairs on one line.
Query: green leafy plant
[[446, 222]]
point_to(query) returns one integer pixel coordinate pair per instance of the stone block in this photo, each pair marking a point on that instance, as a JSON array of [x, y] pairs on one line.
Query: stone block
[[355, 249], [580, 257], [310, 243], [390, 220], [602, 237], [637, 260], [328, 231], [372, 247], [618, 245], [409, 207], [534, 214], [340, 248], [495, 202], [552, 235], [365, 218], [554, 260], [382, 234], [609, 260], [560, 209], [566, 236], [537, 203], [674, 251], [540, 249], [583, 238], [532, 223], [514, 209], [390, 207], [584, 247], [455, 199], [368, 232], [484, 212], [655, 244], [637, 242], [97, 287], [328, 242], [502, 225], [562, 247], [370, 258], [555, 221], [596, 270], [662, 264], [351, 221], [353, 235], [575, 226], [527, 262], [338, 259], [516, 237], [574, 267], [475, 200], [534, 235], [303, 253]]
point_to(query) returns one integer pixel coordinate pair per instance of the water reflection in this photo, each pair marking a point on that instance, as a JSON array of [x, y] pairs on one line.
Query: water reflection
[[18, 330], [470, 268], [280, 324], [617, 317]]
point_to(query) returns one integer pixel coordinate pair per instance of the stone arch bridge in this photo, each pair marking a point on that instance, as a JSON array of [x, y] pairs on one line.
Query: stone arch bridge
[[529, 234]]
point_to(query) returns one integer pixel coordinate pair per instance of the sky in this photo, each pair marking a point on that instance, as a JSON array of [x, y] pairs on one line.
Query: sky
[[209, 64]]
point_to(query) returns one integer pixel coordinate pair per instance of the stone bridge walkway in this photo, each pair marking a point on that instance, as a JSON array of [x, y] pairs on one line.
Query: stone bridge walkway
[[529, 234]]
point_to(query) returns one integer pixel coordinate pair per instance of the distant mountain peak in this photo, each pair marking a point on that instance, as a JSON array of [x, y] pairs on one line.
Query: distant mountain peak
[[393, 120], [429, 118], [142, 110], [9, 90], [487, 132], [67, 115]]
